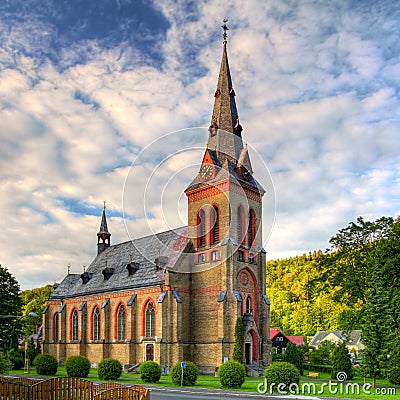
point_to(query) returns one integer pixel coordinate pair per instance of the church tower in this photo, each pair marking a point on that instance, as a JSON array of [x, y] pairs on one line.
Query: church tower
[[225, 226]]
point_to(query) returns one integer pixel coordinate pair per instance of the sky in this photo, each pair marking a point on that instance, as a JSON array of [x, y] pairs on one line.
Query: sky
[[110, 100]]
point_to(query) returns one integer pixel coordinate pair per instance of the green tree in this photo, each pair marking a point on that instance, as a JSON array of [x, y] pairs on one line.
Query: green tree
[[377, 330], [322, 354], [14, 340], [10, 304], [34, 301], [239, 341], [341, 361], [347, 265], [294, 356]]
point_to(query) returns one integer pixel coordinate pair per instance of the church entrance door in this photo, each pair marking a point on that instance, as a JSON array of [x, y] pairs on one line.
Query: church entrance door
[[149, 352], [247, 352]]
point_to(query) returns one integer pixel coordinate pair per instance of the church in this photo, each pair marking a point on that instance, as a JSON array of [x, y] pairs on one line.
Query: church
[[176, 295]]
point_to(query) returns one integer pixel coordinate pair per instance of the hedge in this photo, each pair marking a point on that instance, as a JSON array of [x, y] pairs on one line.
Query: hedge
[[150, 372], [232, 374], [77, 367]]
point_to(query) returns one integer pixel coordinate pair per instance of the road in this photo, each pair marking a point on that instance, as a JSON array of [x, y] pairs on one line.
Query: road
[[204, 394]]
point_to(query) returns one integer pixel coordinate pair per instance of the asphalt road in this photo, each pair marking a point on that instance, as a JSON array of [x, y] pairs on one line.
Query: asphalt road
[[203, 394]]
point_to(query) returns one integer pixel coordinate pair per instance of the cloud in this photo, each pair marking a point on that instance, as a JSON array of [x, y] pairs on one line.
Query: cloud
[[83, 91]]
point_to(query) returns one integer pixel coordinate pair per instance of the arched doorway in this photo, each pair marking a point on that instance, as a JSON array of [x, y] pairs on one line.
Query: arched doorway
[[248, 347], [251, 347]]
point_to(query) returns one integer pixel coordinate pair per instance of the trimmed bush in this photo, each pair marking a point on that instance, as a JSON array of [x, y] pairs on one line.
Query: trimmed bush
[[150, 372], [77, 367], [109, 369], [282, 373], [189, 374], [232, 374], [45, 364], [16, 359]]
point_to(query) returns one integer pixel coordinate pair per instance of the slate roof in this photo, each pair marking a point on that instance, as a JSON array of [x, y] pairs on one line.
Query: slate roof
[[166, 246], [353, 338]]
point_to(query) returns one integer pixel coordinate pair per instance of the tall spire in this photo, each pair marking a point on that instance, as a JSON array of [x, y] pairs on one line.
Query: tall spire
[[103, 235], [225, 116]]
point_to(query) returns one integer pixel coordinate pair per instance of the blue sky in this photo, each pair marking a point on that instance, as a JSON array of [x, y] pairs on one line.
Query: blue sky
[[88, 86]]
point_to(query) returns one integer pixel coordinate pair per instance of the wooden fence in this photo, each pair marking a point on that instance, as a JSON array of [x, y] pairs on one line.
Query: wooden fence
[[23, 388]]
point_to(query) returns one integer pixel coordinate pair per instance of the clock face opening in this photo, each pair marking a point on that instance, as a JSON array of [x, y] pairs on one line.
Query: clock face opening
[[206, 172]]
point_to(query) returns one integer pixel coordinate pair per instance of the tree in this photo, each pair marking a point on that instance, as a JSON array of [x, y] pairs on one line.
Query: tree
[[347, 265], [341, 361], [294, 356], [10, 304], [34, 301], [239, 341], [322, 354], [377, 330]]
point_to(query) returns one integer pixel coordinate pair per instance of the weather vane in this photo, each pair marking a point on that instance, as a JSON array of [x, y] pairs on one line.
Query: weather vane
[[225, 28]]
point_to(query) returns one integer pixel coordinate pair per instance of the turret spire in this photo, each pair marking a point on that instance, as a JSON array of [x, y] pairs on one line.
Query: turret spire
[[103, 235]]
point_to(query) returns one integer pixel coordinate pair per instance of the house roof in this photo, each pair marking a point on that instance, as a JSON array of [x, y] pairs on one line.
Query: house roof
[[164, 248], [274, 332], [297, 340], [350, 338]]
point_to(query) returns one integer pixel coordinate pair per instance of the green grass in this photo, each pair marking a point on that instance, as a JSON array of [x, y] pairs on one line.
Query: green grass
[[250, 385]]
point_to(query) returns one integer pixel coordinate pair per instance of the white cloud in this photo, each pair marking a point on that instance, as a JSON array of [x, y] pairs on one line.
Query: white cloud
[[317, 91]]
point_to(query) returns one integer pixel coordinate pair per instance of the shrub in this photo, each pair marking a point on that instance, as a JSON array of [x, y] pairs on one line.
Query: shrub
[[232, 374], [239, 341], [45, 364], [16, 359], [190, 374], [282, 373], [5, 364], [150, 372], [109, 369], [295, 356], [77, 367], [341, 361]]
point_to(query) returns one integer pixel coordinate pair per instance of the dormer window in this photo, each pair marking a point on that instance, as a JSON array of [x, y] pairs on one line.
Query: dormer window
[[107, 272], [132, 267], [161, 262], [201, 258]]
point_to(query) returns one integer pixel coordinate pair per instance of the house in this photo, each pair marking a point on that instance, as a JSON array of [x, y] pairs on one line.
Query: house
[[176, 295], [280, 341], [352, 339]]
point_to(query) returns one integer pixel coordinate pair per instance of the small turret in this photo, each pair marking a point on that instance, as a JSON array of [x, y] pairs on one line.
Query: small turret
[[103, 236]]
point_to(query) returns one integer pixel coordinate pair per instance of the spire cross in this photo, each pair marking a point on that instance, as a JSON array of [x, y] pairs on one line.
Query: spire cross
[[225, 28], [104, 204]]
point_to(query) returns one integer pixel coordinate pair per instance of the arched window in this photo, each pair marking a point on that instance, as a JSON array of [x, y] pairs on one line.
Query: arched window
[[55, 327], [121, 323], [74, 325], [96, 324], [214, 225], [201, 228], [251, 229], [240, 225], [249, 309], [150, 320]]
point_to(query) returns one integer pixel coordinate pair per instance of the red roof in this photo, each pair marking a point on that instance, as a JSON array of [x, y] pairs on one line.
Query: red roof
[[273, 332], [297, 340]]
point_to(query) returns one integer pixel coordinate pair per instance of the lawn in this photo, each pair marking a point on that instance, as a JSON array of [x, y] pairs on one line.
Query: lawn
[[318, 387]]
